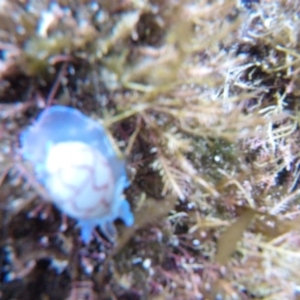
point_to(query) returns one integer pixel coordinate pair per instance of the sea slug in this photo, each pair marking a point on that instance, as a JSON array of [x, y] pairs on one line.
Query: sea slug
[[75, 161]]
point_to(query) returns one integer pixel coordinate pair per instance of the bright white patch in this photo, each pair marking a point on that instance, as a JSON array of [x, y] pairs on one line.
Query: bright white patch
[[217, 158], [47, 18], [147, 263], [79, 180]]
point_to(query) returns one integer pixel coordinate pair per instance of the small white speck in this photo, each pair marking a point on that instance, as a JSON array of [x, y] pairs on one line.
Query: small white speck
[[235, 296], [59, 265], [199, 296], [297, 289], [89, 269], [94, 6], [173, 285], [101, 16], [268, 22], [207, 286], [10, 257], [191, 205], [175, 241], [44, 215], [16, 203], [151, 271], [217, 158], [101, 256], [191, 260], [196, 242], [44, 241], [134, 36], [83, 23], [159, 236], [47, 18], [63, 227], [10, 277], [153, 150], [203, 234], [147, 263], [30, 264], [72, 70], [6, 149], [223, 270]]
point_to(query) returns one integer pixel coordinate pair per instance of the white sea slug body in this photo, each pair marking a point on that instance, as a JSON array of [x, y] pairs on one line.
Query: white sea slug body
[[75, 161]]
